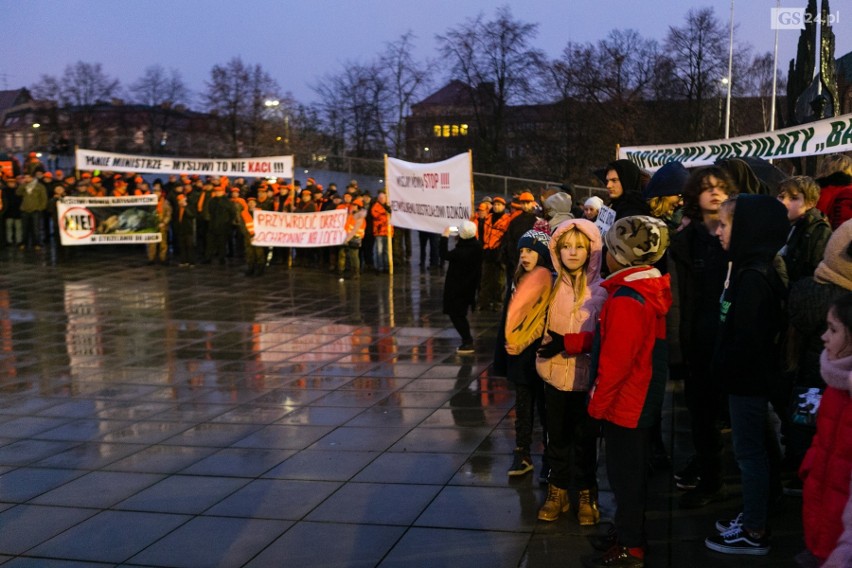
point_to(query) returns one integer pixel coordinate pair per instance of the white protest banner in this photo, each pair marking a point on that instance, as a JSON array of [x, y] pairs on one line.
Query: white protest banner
[[265, 166], [430, 197], [826, 136], [606, 217], [108, 220], [302, 230]]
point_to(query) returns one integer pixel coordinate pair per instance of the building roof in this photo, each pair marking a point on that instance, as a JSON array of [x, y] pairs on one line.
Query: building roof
[[9, 99], [453, 93]]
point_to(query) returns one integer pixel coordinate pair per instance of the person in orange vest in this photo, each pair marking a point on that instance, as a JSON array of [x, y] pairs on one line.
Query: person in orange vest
[[159, 251], [493, 283], [120, 189], [350, 250], [380, 213], [255, 256]]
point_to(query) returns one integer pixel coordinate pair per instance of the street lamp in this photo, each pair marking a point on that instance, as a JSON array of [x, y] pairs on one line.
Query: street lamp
[[36, 126]]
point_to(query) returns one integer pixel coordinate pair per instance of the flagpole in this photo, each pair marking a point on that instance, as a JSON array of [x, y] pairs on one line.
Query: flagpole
[[774, 75], [390, 220], [730, 70]]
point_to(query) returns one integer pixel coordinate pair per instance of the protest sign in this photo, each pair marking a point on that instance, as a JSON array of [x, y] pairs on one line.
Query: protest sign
[[266, 166], [108, 220], [300, 230]]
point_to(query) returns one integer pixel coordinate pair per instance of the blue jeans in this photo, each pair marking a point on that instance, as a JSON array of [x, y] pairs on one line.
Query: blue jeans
[[748, 423], [380, 253]]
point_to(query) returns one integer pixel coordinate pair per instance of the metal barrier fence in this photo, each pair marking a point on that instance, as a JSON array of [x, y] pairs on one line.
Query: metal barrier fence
[[484, 184]]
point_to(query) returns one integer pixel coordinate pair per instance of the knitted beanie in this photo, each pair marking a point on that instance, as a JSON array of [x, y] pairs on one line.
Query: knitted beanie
[[537, 241], [467, 230], [637, 240]]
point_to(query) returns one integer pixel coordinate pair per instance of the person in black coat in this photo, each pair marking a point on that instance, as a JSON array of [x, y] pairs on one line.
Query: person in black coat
[[624, 184], [462, 280]]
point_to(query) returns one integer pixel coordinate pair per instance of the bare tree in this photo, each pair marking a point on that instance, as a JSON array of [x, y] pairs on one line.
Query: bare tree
[[698, 55], [237, 93], [160, 92], [80, 88], [495, 58], [407, 80]]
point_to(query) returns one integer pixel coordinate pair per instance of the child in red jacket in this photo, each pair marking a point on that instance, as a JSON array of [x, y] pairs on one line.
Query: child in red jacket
[[827, 466], [630, 374]]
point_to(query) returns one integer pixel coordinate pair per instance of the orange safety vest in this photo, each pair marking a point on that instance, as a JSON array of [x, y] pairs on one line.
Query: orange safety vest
[[492, 233]]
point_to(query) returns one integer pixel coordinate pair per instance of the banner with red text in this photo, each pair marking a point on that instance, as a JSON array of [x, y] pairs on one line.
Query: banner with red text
[[302, 230], [430, 197], [128, 220], [264, 166], [826, 136]]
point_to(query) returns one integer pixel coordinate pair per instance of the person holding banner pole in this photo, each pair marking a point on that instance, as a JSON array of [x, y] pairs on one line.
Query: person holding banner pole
[[382, 231]]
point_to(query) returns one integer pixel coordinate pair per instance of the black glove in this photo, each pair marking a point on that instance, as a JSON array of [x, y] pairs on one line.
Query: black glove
[[555, 347]]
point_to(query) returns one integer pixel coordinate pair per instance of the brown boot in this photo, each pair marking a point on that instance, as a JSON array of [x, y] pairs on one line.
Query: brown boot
[[587, 509], [556, 502]]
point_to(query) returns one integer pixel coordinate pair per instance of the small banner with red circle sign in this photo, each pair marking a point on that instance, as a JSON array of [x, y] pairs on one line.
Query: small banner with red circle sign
[[108, 220]]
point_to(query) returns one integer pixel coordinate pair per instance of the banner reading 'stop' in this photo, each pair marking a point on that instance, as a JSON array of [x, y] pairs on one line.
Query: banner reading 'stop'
[[822, 137], [266, 166], [430, 197]]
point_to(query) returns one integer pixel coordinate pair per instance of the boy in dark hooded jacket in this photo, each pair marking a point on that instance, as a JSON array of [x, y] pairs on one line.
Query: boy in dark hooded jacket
[[747, 357]]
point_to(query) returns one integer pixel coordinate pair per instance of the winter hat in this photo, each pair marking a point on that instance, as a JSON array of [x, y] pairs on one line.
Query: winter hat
[[594, 202], [467, 230], [667, 181], [526, 196], [637, 240], [560, 205], [836, 265], [537, 241]]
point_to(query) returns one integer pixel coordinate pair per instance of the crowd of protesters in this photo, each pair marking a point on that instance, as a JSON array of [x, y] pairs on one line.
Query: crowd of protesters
[[739, 286], [735, 284]]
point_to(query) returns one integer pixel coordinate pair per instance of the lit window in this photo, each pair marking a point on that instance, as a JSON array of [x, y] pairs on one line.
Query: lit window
[[436, 130], [463, 130], [455, 130], [446, 131]]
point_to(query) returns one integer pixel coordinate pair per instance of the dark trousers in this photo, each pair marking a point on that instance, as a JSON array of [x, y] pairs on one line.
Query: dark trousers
[[429, 241], [529, 400], [706, 404], [459, 321], [572, 437], [31, 224], [627, 453]]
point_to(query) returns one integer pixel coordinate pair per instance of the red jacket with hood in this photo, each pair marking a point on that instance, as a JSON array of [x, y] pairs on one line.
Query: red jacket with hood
[[631, 358]]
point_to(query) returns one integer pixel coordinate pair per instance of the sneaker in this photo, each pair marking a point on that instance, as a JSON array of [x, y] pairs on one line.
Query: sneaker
[[738, 541], [689, 476], [701, 496], [617, 556], [587, 508], [465, 349], [604, 542], [725, 525], [556, 503], [793, 488], [521, 465]]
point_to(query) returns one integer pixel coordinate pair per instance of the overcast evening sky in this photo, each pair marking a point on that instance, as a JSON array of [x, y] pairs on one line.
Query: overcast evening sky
[[299, 41]]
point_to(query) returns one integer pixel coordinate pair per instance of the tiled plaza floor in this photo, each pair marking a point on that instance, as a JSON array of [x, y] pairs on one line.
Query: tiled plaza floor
[[162, 416]]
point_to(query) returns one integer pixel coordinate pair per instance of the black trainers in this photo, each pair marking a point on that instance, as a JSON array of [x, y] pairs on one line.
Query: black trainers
[[521, 464], [724, 525], [738, 541], [793, 488], [617, 557], [688, 477], [465, 349]]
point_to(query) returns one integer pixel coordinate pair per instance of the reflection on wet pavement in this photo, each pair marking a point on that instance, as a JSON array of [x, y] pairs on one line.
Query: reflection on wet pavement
[[146, 409]]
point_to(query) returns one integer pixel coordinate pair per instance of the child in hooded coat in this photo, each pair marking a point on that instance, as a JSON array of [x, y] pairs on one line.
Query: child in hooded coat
[[752, 228], [563, 363], [827, 467], [525, 312]]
